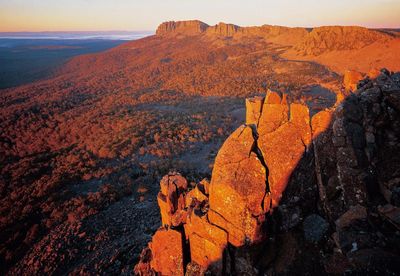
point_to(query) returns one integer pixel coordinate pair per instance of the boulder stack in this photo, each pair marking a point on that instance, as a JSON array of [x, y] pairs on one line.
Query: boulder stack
[[286, 187]]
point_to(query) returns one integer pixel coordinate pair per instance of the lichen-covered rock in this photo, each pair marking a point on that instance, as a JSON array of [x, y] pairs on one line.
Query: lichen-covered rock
[[253, 110], [238, 187], [167, 252], [207, 243], [283, 145], [275, 112]]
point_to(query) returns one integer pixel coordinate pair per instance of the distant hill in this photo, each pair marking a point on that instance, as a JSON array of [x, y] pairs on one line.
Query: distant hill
[[338, 47]]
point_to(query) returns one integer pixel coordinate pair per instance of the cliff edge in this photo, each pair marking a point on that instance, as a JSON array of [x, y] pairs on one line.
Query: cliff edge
[[291, 193]]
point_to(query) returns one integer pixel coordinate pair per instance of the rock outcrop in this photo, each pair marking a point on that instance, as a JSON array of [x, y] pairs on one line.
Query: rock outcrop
[[334, 38], [290, 193], [351, 80], [190, 27], [223, 29], [283, 35]]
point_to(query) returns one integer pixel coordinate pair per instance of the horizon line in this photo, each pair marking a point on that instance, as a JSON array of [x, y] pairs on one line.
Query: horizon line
[[244, 26]]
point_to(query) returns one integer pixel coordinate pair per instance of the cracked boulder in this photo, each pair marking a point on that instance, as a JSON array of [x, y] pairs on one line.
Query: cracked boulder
[[207, 242], [284, 145], [253, 109], [238, 188]]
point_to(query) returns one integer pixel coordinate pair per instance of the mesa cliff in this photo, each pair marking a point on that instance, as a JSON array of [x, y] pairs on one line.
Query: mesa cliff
[[338, 47], [291, 192]]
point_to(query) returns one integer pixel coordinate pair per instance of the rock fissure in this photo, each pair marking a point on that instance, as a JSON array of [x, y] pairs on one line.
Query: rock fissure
[[260, 157]]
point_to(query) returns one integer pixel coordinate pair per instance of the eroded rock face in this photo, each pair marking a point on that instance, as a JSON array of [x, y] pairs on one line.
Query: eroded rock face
[[351, 79], [223, 29], [253, 110], [285, 181], [232, 209], [190, 27], [329, 38], [171, 199], [238, 188], [167, 253], [284, 146]]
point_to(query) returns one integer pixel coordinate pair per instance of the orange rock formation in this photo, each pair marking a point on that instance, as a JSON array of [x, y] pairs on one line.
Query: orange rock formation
[[251, 172], [278, 151]]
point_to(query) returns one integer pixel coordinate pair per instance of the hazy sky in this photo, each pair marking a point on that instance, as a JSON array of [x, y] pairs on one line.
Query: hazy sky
[[63, 15]]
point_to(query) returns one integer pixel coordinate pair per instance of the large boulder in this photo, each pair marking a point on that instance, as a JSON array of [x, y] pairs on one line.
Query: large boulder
[[283, 141], [167, 252], [238, 188]]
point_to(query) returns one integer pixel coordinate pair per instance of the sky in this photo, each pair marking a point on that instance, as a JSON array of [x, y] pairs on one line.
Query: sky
[[146, 15]]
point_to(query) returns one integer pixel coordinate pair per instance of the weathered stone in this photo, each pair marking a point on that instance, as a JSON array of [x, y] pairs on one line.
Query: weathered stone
[[351, 79], [293, 136], [338, 127], [253, 109], [392, 213], [173, 178], [350, 109], [195, 194], [375, 261], [238, 186], [357, 212], [320, 122], [190, 27], [393, 98], [339, 141], [356, 134], [207, 243], [223, 29], [167, 252], [370, 137], [274, 114], [171, 199], [143, 268], [204, 186], [266, 169], [346, 156], [315, 227]]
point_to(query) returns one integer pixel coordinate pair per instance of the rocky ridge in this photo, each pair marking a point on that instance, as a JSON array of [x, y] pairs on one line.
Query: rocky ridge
[[291, 193], [323, 39], [187, 27], [308, 41], [337, 47]]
